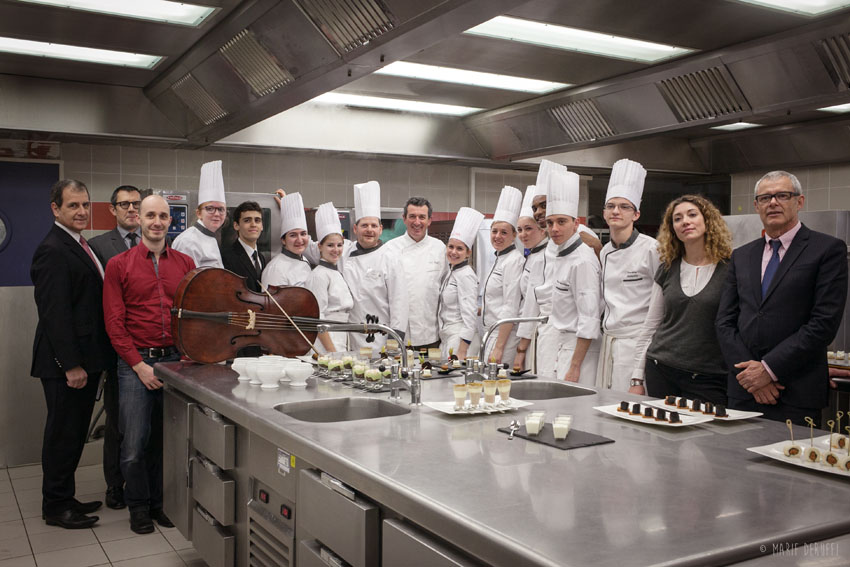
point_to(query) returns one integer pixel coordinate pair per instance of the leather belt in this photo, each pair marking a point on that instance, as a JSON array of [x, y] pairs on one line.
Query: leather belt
[[157, 352]]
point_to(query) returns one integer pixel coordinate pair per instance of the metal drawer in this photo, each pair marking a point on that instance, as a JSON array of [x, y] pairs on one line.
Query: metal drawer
[[407, 546], [214, 438], [310, 555], [349, 527], [215, 493], [214, 544]]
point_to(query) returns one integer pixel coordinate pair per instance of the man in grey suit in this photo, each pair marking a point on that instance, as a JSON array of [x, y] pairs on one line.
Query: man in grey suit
[[124, 205]]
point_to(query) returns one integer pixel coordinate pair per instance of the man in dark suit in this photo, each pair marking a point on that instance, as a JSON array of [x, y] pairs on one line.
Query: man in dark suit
[[124, 206], [781, 307], [70, 349], [242, 257]]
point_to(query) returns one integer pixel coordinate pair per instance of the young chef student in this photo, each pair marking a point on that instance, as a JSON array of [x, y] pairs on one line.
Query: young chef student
[[501, 288], [289, 267], [198, 241], [458, 305], [534, 240], [629, 262]]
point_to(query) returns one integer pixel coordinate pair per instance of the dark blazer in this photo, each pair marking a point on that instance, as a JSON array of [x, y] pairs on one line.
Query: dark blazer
[[68, 295], [791, 327], [237, 261], [108, 245]]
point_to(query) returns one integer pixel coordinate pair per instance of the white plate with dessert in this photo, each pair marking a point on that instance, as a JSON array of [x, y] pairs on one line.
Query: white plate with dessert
[[810, 456], [483, 408], [642, 415], [731, 414]]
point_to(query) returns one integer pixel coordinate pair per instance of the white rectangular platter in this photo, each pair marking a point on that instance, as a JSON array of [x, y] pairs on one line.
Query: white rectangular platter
[[776, 451], [449, 407], [686, 418]]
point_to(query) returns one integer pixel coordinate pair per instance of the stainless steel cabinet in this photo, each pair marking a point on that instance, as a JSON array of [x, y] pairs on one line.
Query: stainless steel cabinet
[[404, 545], [177, 495]]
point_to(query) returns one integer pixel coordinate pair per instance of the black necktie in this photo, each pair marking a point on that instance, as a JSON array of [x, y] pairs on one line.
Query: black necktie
[[257, 266], [772, 266], [132, 236]]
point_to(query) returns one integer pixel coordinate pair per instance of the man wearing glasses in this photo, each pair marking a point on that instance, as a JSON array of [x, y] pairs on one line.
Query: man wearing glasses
[[198, 241], [629, 262], [124, 205], [781, 306]]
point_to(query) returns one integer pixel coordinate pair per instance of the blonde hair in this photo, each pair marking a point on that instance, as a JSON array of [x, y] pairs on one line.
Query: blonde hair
[[718, 239]]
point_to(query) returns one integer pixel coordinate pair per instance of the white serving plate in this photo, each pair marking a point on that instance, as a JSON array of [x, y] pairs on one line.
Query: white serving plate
[[687, 419], [734, 415], [776, 451], [449, 407]]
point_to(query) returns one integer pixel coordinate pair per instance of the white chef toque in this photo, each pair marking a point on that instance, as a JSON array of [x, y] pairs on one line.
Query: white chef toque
[[562, 193], [626, 181], [547, 169], [367, 200], [292, 213], [507, 210], [530, 194], [466, 225], [211, 187], [327, 221]]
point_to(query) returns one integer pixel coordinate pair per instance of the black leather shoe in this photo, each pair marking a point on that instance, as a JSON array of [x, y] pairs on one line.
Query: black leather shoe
[[140, 522], [71, 520], [115, 498], [161, 518], [87, 507]]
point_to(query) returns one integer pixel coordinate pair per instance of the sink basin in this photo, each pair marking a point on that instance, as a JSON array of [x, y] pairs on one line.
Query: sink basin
[[547, 390], [341, 409]]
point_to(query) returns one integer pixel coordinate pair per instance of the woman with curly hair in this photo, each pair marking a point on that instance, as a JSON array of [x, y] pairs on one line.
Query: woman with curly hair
[[678, 347]]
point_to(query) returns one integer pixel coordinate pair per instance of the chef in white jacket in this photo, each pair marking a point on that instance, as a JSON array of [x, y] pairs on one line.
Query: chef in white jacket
[[629, 262], [374, 275], [326, 281], [576, 286], [501, 295], [458, 305], [289, 267], [423, 261], [198, 241]]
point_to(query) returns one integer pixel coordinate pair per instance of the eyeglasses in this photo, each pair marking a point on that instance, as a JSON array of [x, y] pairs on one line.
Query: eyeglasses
[[781, 196], [540, 205], [625, 207], [124, 205], [211, 209]]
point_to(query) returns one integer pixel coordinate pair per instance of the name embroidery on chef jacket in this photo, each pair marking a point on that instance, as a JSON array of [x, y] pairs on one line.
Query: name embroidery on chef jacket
[[632, 277]]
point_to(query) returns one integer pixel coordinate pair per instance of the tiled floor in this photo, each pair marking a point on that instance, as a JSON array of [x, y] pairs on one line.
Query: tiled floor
[[26, 541]]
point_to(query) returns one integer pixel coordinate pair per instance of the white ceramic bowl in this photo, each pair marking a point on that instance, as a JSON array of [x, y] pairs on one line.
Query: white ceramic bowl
[[239, 365], [269, 374], [251, 368], [298, 374], [287, 362]]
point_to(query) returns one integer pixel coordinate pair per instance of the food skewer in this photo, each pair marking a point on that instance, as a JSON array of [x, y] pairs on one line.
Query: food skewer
[[830, 458], [792, 450], [840, 442], [812, 454]]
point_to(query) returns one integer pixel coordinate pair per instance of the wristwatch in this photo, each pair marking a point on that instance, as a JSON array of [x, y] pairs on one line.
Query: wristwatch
[[636, 382]]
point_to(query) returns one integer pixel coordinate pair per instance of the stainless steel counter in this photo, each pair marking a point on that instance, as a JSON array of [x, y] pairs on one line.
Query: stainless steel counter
[[690, 496]]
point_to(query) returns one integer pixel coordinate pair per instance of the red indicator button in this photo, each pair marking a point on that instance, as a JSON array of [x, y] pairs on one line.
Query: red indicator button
[[285, 511], [264, 496]]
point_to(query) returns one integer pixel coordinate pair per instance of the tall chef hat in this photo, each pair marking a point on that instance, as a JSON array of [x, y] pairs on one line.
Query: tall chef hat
[[292, 213], [525, 210], [327, 221], [211, 187], [626, 181], [563, 194], [544, 174], [507, 210], [466, 225], [367, 200]]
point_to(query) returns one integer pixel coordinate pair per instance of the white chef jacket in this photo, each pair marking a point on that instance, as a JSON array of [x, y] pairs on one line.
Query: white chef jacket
[[576, 290], [286, 269], [424, 265], [334, 299], [459, 300], [628, 273], [378, 287], [200, 244], [501, 288]]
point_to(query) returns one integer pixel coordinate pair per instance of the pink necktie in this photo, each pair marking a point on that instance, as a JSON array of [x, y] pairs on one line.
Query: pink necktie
[[90, 253]]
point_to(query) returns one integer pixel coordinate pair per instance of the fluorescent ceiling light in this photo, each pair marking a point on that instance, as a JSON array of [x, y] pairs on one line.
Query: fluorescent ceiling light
[[735, 126], [463, 77], [394, 104], [154, 10], [74, 53], [838, 108], [808, 7], [571, 39]]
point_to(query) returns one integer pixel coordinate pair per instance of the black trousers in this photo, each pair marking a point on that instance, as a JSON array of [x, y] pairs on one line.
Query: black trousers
[[778, 412], [69, 412], [663, 380], [111, 435], [417, 348]]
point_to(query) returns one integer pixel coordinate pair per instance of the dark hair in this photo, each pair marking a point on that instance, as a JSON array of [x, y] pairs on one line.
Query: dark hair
[[418, 202], [128, 188], [244, 207], [59, 187]]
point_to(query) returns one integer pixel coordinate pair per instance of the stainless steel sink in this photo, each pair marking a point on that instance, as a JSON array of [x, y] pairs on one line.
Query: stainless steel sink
[[341, 409], [547, 390]]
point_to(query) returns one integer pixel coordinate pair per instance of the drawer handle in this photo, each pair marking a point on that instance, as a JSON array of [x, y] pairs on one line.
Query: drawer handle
[[337, 486], [330, 558]]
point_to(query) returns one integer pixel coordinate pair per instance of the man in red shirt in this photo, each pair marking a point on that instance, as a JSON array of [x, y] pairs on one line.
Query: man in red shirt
[[138, 292]]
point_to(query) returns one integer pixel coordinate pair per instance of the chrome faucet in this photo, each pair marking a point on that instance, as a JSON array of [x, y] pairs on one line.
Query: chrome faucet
[[497, 324]]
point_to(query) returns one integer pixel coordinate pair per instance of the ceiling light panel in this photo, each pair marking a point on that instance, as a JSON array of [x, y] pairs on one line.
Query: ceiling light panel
[[394, 104], [75, 53], [838, 108], [571, 39], [735, 126], [807, 7], [464, 77], [154, 10]]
